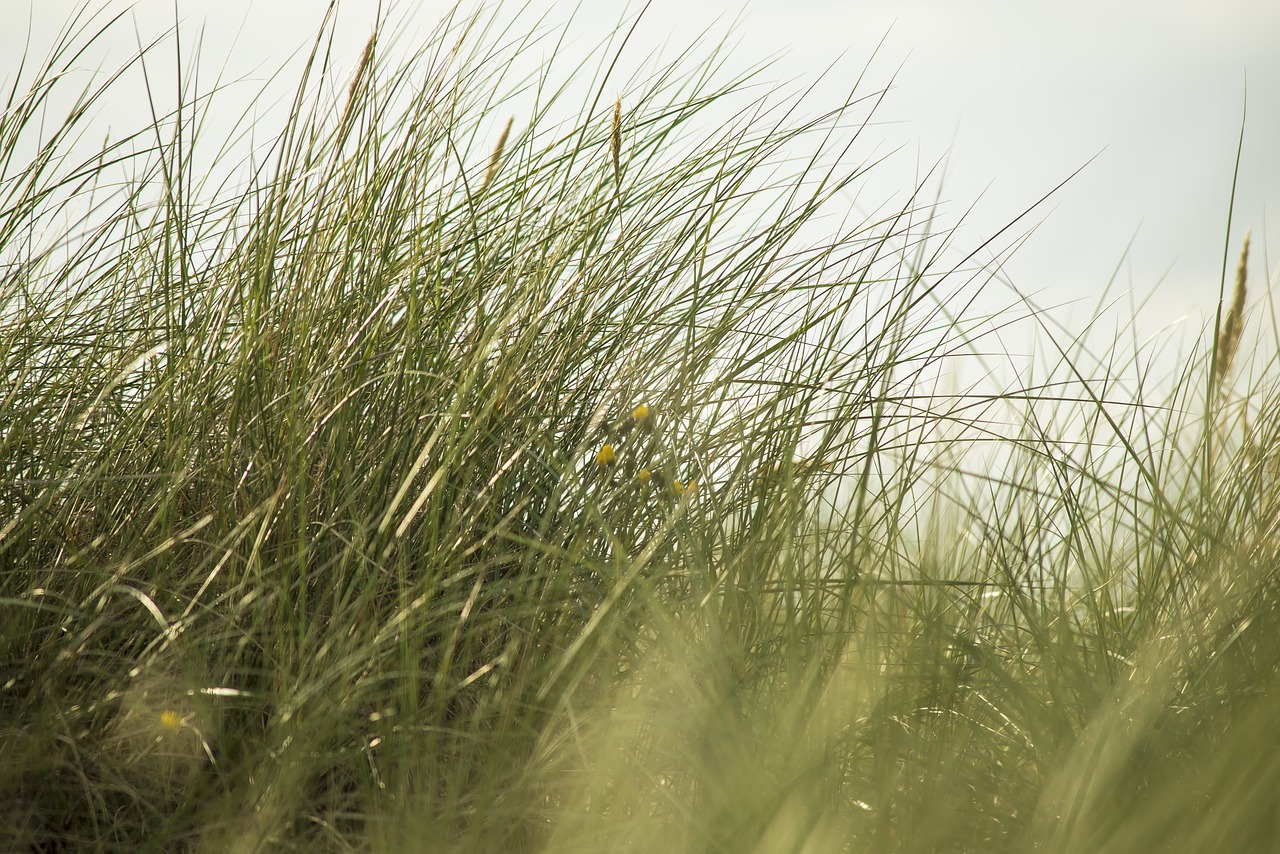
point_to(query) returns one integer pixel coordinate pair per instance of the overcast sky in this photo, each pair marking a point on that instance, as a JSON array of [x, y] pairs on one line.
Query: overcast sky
[[1014, 95]]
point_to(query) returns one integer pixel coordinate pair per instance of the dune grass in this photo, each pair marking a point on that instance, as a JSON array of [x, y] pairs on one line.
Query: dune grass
[[450, 483]]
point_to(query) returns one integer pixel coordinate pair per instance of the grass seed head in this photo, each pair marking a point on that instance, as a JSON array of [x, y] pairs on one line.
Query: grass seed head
[[615, 140], [1233, 323], [358, 80], [495, 159]]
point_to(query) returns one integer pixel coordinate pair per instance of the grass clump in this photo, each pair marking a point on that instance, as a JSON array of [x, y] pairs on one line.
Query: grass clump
[[540, 486]]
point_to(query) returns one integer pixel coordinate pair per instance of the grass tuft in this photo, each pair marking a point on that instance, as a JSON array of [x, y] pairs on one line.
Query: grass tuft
[[405, 492]]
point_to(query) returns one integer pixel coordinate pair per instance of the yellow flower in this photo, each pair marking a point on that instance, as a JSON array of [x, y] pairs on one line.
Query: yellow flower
[[644, 476], [605, 456], [170, 721], [688, 488], [641, 412]]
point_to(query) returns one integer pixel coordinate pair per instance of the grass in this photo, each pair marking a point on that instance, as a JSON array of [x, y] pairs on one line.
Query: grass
[[430, 485]]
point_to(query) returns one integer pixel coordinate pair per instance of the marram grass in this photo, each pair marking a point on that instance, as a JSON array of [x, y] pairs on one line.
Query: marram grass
[[455, 482]]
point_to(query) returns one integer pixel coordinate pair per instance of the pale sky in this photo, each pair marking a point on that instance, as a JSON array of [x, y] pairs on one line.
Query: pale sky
[[1015, 95]]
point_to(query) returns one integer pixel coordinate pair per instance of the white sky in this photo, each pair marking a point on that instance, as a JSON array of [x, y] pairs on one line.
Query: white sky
[[1016, 95]]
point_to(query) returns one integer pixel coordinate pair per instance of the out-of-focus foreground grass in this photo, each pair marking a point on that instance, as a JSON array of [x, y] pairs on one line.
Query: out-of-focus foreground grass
[[446, 487]]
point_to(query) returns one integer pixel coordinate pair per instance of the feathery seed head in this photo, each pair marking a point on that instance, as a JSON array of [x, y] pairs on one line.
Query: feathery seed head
[[495, 159], [615, 140], [1233, 323], [358, 80]]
